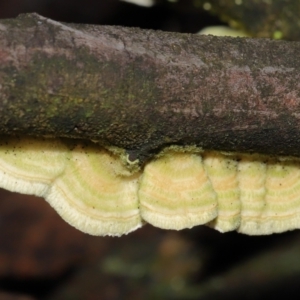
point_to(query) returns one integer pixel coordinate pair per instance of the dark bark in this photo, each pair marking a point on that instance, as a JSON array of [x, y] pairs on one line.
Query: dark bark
[[142, 89]]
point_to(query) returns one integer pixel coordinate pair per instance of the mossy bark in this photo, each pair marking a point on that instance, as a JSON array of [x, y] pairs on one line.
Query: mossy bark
[[142, 90]]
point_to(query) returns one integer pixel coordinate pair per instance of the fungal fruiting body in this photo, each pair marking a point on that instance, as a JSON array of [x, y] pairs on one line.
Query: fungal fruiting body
[[87, 185], [94, 190], [168, 181]]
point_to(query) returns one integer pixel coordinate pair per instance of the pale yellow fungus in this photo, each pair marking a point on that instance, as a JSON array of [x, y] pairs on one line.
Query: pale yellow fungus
[[223, 31], [85, 184], [100, 193], [222, 173], [172, 179], [30, 165], [94, 195], [252, 179]]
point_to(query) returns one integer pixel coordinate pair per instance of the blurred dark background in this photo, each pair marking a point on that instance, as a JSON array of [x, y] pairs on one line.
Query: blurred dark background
[[42, 257], [180, 16]]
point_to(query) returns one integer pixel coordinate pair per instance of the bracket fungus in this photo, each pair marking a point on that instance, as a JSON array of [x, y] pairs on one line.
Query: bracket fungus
[[136, 92], [94, 190]]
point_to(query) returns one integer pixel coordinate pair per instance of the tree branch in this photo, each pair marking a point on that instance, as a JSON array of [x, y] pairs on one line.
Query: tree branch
[[142, 89]]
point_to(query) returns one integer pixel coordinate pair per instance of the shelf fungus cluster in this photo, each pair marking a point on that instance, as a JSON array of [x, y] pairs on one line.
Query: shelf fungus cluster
[[97, 192]]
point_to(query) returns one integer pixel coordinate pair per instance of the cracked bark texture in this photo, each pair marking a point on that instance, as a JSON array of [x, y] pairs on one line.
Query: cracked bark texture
[[142, 90]]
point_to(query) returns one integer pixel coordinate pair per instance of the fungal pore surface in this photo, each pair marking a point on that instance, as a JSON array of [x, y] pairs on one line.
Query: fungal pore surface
[[97, 192]]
